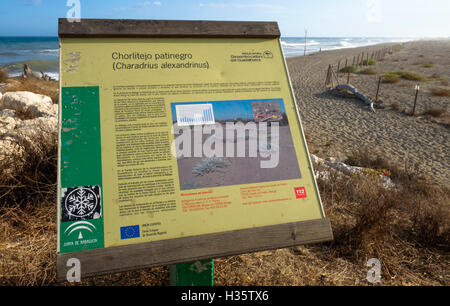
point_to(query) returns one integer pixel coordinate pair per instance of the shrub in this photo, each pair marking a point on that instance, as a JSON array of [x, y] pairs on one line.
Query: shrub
[[410, 76], [435, 112], [370, 62], [368, 71], [395, 107], [427, 65], [37, 86], [440, 92], [3, 74], [416, 210], [435, 77], [390, 78], [351, 69]]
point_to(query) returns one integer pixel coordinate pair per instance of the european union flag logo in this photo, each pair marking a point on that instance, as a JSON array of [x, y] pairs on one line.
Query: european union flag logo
[[127, 232]]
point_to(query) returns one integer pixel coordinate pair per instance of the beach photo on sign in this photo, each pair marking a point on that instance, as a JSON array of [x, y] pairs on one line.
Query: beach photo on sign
[[223, 143]]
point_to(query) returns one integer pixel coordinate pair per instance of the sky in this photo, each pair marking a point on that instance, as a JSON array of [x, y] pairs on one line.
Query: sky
[[321, 18], [224, 110]]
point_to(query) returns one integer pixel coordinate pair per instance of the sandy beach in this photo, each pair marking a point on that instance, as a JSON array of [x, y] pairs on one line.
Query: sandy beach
[[336, 126]]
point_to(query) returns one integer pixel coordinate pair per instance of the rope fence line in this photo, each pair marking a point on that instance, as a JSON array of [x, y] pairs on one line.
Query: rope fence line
[[361, 60]]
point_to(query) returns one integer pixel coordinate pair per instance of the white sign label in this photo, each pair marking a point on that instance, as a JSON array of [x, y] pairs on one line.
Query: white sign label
[[195, 114]]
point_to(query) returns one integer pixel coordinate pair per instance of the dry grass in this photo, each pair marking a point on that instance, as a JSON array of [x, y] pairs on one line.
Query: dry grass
[[418, 198], [440, 92], [407, 229], [435, 77], [395, 106], [389, 78], [435, 112], [29, 178], [427, 65], [38, 86], [394, 77], [368, 71], [410, 76], [3, 75]]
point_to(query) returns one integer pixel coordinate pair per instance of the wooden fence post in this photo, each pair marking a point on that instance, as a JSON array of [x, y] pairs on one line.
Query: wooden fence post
[[417, 88], [378, 89], [338, 66]]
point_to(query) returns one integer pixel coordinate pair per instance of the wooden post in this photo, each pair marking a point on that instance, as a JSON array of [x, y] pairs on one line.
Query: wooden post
[[357, 61], [417, 88], [353, 63], [378, 89], [198, 273], [348, 77], [329, 77], [338, 67], [346, 63]]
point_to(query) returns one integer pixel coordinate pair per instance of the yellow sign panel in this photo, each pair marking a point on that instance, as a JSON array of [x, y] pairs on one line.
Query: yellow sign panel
[[165, 138]]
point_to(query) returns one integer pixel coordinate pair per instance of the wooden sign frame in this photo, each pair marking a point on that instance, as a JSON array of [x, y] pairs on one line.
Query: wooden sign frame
[[179, 250]]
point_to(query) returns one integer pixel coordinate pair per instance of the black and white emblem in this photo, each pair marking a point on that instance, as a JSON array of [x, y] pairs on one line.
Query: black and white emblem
[[80, 203]]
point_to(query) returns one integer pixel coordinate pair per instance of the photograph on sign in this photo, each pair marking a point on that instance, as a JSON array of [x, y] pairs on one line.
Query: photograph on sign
[[250, 142]]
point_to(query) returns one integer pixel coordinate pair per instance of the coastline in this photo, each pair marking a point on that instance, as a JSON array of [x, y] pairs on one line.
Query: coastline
[[42, 53]]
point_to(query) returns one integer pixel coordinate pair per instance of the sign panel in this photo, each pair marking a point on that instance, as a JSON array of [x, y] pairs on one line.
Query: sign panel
[[179, 142]]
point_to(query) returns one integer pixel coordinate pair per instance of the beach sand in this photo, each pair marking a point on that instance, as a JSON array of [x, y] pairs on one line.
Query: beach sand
[[337, 126]]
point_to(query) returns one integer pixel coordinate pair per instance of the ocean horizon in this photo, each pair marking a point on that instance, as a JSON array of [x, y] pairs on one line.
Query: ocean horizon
[[41, 53]]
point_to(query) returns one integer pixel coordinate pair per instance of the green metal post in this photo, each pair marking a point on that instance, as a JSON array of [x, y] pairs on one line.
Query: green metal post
[[198, 273]]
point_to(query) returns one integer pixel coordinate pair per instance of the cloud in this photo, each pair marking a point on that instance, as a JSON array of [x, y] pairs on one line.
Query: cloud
[[257, 6]]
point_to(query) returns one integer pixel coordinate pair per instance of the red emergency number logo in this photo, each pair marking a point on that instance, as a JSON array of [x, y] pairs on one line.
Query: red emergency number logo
[[300, 192]]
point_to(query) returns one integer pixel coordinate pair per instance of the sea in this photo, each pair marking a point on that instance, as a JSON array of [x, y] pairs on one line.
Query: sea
[[42, 53]]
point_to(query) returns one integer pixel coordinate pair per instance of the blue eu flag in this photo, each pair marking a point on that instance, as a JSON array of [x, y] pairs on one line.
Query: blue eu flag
[[127, 232]]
